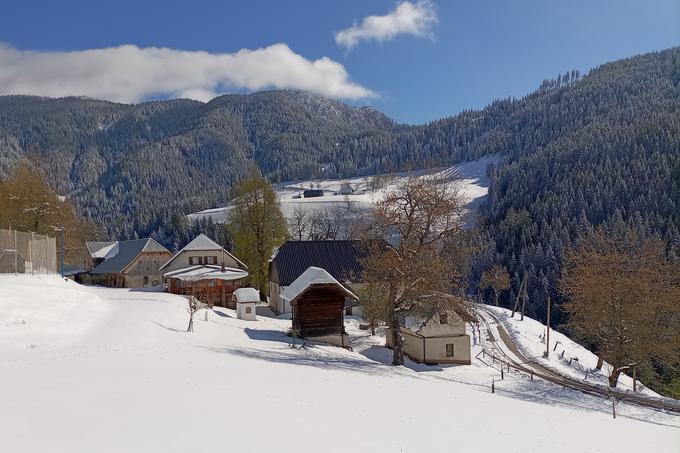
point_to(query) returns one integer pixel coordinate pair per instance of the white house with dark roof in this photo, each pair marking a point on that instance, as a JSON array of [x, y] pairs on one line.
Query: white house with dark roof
[[203, 268], [201, 251]]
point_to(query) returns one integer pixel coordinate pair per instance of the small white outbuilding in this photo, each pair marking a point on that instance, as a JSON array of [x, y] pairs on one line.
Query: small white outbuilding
[[246, 300]]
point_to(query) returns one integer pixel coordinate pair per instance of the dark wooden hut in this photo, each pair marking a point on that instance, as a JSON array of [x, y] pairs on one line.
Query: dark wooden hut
[[318, 302]]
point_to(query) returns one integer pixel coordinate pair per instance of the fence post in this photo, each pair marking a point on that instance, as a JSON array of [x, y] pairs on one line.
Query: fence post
[[493, 385], [16, 264]]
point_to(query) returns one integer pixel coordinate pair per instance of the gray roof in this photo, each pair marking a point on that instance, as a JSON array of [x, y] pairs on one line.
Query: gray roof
[[94, 247], [127, 252]]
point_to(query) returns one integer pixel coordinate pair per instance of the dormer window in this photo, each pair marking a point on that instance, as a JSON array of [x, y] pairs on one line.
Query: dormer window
[[195, 260]]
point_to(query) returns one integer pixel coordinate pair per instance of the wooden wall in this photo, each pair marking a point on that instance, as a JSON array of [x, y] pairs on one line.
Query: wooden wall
[[319, 311]]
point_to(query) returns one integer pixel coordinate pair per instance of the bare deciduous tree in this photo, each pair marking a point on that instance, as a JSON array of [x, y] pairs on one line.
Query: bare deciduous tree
[[497, 279], [623, 298], [419, 273]]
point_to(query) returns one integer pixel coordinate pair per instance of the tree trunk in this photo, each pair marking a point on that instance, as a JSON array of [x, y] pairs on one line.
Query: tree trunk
[[395, 328], [614, 377], [190, 328], [496, 295], [600, 362]]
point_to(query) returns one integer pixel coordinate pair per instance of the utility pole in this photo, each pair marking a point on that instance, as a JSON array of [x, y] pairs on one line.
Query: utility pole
[[524, 300], [547, 332], [522, 287]]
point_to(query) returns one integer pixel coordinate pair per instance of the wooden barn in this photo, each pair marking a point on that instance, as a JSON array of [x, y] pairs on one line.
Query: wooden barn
[[341, 259], [126, 264], [318, 305]]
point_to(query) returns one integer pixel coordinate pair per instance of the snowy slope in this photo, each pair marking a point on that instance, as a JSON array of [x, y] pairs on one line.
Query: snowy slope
[[139, 383], [528, 335], [472, 180], [55, 313]]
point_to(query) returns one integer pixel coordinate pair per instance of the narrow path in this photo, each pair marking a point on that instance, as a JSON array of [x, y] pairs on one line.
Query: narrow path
[[521, 362]]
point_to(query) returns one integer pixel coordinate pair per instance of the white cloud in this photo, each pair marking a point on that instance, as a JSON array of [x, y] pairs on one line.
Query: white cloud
[[131, 74], [407, 18]]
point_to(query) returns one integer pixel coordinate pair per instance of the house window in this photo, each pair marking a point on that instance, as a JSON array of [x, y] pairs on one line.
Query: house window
[[449, 350], [249, 310], [443, 318], [194, 260], [155, 283], [210, 260], [146, 281], [211, 282]]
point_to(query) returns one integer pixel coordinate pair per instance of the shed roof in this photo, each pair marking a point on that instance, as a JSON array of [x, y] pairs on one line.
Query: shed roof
[[207, 272], [310, 277], [115, 263], [244, 295], [341, 259], [96, 249], [202, 242]]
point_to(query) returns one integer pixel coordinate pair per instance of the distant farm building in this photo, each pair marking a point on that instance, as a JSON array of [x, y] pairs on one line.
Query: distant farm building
[[126, 264], [441, 338], [341, 259], [202, 251], [345, 189], [318, 304], [312, 193], [204, 269]]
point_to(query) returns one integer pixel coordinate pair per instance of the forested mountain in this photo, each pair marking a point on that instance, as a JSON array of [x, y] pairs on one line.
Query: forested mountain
[[579, 151]]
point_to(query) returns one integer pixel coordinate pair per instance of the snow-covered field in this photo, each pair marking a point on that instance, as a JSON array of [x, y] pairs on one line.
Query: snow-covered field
[[87, 369], [470, 178]]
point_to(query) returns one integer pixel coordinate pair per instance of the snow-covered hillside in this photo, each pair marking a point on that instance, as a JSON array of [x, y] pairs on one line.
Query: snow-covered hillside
[[471, 179], [130, 379], [566, 356]]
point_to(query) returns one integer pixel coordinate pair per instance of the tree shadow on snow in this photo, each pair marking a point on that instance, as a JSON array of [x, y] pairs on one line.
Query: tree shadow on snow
[[148, 289], [264, 310], [306, 357], [171, 329], [275, 335], [383, 355], [221, 313]]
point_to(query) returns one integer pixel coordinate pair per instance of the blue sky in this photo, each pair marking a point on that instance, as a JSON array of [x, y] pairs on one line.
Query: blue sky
[[477, 51]]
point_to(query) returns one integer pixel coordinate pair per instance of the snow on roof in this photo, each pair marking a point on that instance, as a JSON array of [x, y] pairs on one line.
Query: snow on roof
[[202, 242], [125, 253], [312, 276], [203, 272], [107, 251], [94, 246], [244, 295]]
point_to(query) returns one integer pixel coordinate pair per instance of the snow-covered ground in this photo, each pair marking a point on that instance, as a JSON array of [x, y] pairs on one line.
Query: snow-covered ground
[[566, 356], [471, 179], [128, 378]]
